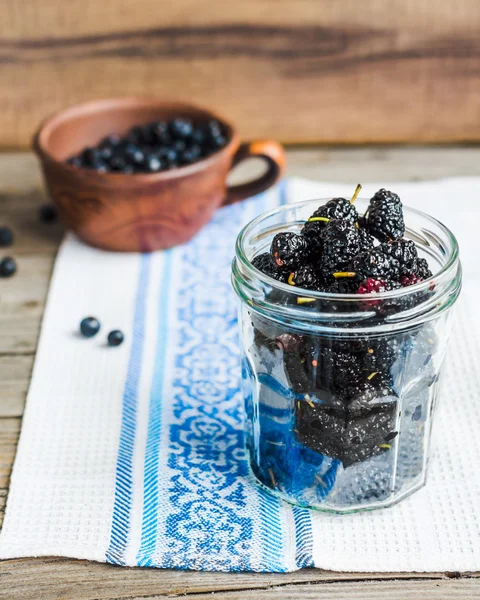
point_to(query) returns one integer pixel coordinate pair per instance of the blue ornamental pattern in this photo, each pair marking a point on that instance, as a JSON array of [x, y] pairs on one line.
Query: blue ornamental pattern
[[210, 524]]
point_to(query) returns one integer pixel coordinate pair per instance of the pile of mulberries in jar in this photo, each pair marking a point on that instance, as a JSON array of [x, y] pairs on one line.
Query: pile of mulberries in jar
[[336, 253], [343, 391]]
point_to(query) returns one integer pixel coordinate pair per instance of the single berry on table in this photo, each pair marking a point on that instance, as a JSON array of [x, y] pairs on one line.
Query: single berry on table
[[48, 213], [6, 237], [115, 338], [8, 266], [89, 326]]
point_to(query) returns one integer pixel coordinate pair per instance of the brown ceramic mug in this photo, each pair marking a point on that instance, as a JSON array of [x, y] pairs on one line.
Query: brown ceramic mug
[[142, 212]]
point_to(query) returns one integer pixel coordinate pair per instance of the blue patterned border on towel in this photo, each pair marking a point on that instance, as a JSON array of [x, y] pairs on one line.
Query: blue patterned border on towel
[[201, 507]]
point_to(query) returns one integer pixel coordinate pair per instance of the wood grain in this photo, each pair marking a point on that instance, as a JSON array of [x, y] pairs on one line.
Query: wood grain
[[15, 373], [9, 432], [22, 300], [81, 580], [315, 71]]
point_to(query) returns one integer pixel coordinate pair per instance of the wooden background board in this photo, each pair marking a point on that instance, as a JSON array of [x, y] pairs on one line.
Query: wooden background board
[[297, 70], [22, 299]]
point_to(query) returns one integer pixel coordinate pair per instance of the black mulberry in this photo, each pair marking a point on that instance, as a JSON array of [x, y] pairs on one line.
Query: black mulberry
[[340, 244], [375, 264], [289, 250], [366, 240], [402, 250], [263, 262], [336, 208], [312, 231], [384, 218], [306, 277]]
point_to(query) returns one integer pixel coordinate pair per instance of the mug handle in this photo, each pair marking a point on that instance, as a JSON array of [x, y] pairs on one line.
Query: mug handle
[[272, 153]]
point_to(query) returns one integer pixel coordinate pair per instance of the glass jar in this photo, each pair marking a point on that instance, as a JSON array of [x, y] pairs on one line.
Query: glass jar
[[340, 389]]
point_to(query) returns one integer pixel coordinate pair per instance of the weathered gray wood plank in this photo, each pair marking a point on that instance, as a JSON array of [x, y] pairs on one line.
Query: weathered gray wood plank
[[9, 432], [383, 163], [22, 299], [15, 376], [82, 580]]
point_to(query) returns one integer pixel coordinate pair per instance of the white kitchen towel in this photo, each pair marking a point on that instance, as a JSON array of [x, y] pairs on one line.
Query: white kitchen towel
[[134, 455]]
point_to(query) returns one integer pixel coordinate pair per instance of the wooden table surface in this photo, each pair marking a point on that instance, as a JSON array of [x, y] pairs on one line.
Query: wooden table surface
[[22, 300]]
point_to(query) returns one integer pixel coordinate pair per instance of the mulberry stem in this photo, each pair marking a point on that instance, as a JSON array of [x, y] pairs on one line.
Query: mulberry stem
[[312, 219], [355, 194], [302, 300]]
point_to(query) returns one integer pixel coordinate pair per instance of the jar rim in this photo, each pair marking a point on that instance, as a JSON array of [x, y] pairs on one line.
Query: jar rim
[[446, 271]]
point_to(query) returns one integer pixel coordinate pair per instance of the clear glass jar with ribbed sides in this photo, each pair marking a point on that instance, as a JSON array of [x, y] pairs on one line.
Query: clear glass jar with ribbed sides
[[340, 389]]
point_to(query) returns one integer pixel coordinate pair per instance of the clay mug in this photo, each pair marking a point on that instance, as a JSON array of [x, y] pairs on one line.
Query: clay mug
[[142, 212]]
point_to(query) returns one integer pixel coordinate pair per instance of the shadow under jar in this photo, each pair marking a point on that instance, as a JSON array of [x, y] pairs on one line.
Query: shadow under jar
[[340, 389]]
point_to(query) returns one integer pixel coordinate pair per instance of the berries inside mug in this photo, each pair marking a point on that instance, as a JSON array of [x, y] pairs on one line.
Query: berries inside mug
[[153, 147]]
